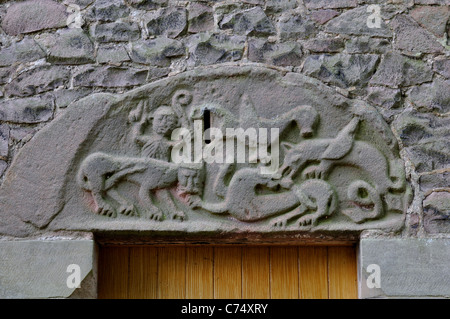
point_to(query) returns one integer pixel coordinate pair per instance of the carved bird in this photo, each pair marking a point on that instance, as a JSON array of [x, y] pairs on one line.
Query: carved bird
[[343, 142]]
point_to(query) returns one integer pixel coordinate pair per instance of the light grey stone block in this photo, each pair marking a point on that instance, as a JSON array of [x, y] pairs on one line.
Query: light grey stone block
[[408, 267], [39, 269]]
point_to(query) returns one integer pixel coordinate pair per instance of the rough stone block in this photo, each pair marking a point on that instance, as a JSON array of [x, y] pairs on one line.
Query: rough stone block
[[323, 16], [39, 269], [109, 76], [212, 48], [437, 213], [396, 70], [19, 52], [431, 97], [294, 26], [253, 22], [330, 4], [280, 5], [411, 38], [354, 22], [408, 267], [28, 110], [69, 46], [31, 16], [38, 80], [110, 10], [434, 19], [281, 54], [116, 32], [328, 45], [4, 140], [366, 44], [343, 70], [442, 66], [168, 22], [156, 52], [200, 18], [147, 4], [114, 54]]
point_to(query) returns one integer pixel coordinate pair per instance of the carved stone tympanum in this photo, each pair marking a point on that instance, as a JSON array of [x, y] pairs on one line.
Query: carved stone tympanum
[[302, 158]]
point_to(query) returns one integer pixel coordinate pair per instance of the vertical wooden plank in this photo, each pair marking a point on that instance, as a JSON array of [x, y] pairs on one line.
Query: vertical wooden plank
[[227, 272], [113, 273], [143, 268], [255, 273], [313, 272], [284, 273], [171, 272], [199, 273], [342, 273]]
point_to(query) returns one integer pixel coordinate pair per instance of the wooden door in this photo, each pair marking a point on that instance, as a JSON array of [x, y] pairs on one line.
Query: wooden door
[[228, 272]]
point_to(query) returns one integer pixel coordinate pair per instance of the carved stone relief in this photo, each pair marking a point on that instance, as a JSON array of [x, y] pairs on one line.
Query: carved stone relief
[[339, 168]]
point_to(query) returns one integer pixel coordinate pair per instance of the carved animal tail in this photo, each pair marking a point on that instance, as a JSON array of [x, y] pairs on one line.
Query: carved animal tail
[[121, 173], [220, 188]]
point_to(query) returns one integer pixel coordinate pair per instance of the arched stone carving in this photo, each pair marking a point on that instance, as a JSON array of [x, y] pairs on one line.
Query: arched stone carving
[[105, 164]]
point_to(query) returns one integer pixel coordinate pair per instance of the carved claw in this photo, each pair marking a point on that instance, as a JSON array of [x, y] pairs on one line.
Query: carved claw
[[279, 223], [308, 220], [106, 210], [156, 215], [313, 172], [195, 202], [128, 210], [179, 216]]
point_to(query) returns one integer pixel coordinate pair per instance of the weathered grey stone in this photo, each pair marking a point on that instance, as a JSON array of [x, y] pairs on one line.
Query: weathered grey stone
[[156, 52], [147, 4], [110, 10], [440, 2], [169, 22], [411, 38], [38, 80], [116, 32], [433, 96], [24, 51], [5, 74], [121, 141], [114, 54], [425, 138], [3, 167], [434, 19], [396, 70], [294, 26], [31, 16], [366, 44], [442, 66], [21, 134], [354, 22], [252, 22], [281, 54], [328, 45], [109, 76], [384, 97], [4, 140], [410, 267], [201, 18], [323, 16], [69, 46], [40, 269], [27, 110], [343, 70], [434, 180], [64, 97], [157, 73], [437, 213], [330, 4], [211, 48], [280, 5], [81, 3]]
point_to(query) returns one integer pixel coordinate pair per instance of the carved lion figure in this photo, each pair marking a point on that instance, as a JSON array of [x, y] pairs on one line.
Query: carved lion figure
[[100, 173]]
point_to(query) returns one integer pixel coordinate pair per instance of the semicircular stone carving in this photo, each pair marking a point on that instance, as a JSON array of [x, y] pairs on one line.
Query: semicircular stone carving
[[107, 164]]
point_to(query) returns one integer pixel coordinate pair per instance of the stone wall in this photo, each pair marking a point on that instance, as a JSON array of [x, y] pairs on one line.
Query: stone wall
[[54, 53]]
